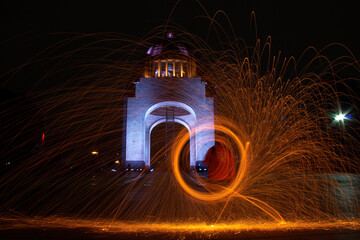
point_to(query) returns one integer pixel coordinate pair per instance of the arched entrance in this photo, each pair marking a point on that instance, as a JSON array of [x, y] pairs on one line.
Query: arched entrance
[[146, 110], [170, 112], [161, 139]]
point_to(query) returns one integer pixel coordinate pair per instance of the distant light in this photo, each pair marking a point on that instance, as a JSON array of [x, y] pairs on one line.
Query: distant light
[[94, 153], [113, 170], [212, 226], [149, 50], [151, 170], [170, 35], [200, 169], [117, 162], [127, 169], [205, 169], [340, 117], [140, 169]]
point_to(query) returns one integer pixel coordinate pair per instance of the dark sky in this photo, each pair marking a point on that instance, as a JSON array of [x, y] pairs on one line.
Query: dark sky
[[293, 25]]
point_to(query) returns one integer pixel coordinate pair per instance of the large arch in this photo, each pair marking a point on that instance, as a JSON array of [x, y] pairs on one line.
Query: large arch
[[185, 95], [170, 104], [191, 140], [187, 121]]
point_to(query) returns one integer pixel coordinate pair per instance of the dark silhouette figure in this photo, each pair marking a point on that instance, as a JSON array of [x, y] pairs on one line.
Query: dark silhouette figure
[[220, 164]]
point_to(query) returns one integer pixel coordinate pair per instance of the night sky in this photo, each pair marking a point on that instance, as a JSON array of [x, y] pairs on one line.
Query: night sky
[[293, 25]]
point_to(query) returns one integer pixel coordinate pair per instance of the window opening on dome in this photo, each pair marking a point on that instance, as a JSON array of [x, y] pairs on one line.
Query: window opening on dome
[[163, 66], [177, 68], [156, 69], [185, 70], [170, 68], [181, 69]]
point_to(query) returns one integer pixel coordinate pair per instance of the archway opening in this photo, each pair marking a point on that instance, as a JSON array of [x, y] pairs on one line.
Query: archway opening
[[161, 140]]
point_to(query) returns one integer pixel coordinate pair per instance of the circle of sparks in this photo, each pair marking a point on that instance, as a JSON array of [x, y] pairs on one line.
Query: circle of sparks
[[226, 191]]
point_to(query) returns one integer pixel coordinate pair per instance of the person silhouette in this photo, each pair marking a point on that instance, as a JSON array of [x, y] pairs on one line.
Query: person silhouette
[[220, 164]]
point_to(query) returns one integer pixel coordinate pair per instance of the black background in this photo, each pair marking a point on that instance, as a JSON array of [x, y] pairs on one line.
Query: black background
[[293, 25]]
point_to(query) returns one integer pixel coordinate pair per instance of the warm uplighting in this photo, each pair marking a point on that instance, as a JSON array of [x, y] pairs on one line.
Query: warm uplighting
[[170, 68], [94, 153], [117, 162]]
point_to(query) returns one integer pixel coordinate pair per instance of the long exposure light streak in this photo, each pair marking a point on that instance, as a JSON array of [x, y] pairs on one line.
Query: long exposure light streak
[[188, 227], [294, 168]]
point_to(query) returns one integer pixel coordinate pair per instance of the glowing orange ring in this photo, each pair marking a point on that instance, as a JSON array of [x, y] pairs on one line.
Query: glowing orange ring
[[206, 196]]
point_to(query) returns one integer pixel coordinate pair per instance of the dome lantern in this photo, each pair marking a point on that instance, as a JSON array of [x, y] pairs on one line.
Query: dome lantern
[[169, 59]]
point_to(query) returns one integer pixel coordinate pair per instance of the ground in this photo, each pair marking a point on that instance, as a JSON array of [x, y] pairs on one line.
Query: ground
[[83, 233]]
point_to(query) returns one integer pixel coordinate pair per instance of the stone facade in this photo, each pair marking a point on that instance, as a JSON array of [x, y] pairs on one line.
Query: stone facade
[[185, 95]]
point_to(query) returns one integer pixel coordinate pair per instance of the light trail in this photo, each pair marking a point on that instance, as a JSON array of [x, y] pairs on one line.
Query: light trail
[[295, 170], [178, 227]]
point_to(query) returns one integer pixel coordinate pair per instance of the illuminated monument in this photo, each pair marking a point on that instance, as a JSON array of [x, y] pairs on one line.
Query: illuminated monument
[[169, 93]]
